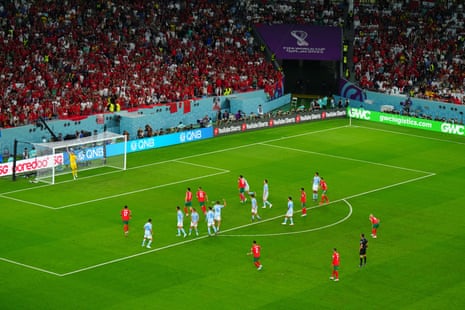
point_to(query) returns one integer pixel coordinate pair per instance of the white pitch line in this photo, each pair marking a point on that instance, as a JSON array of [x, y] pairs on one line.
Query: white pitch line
[[298, 231], [221, 171], [29, 266], [141, 190], [392, 185], [28, 202], [133, 256], [199, 165], [410, 135], [348, 158], [222, 233], [179, 159]]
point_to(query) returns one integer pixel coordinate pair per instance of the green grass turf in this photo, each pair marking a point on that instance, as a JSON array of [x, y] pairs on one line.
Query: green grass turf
[[62, 245]]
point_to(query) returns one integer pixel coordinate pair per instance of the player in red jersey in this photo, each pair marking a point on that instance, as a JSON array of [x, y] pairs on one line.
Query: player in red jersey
[[202, 198], [303, 201], [374, 225], [241, 184], [188, 202], [125, 217], [335, 263], [324, 189], [255, 251]]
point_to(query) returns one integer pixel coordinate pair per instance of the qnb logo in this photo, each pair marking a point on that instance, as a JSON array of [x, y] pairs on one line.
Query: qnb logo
[[190, 136], [300, 36], [81, 156], [453, 129], [142, 144], [361, 114]]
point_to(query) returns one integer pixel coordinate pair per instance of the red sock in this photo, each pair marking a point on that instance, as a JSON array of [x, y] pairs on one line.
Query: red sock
[[336, 274], [126, 227], [304, 210], [186, 212], [373, 232], [204, 209], [242, 196], [257, 264]]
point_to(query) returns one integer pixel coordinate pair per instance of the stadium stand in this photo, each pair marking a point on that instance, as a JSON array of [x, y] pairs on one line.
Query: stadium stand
[[412, 48], [76, 58], [67, 60]]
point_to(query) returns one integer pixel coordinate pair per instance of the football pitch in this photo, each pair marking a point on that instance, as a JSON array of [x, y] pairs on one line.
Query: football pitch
[[63, 247]]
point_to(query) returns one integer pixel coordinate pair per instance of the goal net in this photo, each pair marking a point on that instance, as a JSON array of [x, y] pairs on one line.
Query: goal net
[[104, 153]]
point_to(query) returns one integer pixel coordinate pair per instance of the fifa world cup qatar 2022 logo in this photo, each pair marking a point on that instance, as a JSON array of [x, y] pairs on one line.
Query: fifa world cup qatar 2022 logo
[[300, 36]]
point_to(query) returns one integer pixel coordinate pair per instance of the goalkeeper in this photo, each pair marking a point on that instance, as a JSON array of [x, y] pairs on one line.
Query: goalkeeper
[[72, 163]]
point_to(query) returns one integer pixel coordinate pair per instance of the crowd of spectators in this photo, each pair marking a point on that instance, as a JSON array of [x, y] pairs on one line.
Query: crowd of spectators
[[412, 48], [65, 59], [415, 48], [324, 13], [62, 59]]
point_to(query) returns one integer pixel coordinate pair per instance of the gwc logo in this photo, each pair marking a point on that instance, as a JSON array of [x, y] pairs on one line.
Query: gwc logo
[[360, 114], [453, 129]]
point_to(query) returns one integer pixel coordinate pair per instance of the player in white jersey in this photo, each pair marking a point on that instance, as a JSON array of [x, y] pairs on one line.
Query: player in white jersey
[[194, 222], [266, 193], [217, 207], [247, 187], [211, 221], [316, 186], [254, 209], [290, 212], [147, 233], [180, 225]]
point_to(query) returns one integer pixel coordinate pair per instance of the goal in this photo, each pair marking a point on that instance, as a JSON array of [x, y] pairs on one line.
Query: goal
[[104, 152]]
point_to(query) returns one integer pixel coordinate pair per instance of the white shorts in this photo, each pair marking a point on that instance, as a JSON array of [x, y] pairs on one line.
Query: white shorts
[[180, 224], [210, 223], [254, 210], [315, 188], [217, 218], [290, 213], [194, 224], [147, 235]]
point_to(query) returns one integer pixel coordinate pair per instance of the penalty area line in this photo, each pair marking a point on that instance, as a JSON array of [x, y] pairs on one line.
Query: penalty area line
[[29, 266], [142, 190], [222, 233], [133, 256]]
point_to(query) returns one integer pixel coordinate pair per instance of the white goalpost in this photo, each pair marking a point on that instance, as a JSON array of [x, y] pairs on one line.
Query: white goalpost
[[104, 152]]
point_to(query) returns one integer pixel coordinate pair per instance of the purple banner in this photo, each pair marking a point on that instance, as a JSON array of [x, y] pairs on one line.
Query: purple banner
[[306, 42]]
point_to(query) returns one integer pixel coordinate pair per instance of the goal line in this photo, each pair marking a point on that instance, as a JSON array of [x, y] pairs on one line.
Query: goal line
[[101, 151]]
